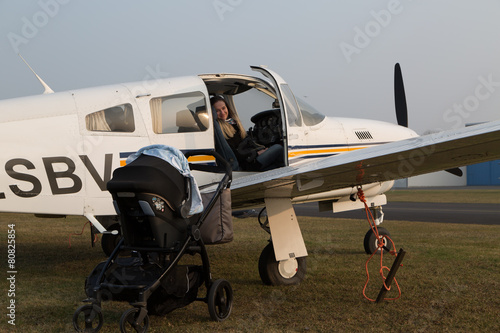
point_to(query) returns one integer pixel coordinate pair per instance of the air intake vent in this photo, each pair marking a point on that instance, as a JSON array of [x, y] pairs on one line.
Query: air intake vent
[[363, 135]]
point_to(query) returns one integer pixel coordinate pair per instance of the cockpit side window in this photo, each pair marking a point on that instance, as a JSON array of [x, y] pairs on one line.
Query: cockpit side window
[[310, 115], [119, 118], [179, 113]]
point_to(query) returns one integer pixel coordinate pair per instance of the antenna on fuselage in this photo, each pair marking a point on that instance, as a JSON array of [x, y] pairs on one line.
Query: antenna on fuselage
[[45, 85]]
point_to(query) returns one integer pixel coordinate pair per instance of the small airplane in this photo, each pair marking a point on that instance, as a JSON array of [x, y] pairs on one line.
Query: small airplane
[[59, 150]]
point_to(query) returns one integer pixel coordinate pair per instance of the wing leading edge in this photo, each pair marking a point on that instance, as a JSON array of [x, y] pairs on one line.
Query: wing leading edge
[[391, 161]]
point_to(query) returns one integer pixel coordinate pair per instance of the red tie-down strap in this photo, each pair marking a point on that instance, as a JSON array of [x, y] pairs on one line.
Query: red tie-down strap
[[380, 247]]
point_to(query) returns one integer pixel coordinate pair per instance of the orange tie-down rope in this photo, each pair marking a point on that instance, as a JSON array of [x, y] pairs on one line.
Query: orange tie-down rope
[[96, 237], [380, 247]]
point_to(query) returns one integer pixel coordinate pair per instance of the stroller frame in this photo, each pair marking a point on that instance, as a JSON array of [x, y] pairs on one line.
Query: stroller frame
[[219, 296]]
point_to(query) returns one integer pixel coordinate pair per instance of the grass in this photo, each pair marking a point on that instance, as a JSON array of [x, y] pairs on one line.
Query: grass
[[450, 280]]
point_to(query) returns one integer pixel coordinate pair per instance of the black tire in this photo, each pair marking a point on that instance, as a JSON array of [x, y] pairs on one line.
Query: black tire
[[220, 300], [371, 243], [272, 272], [109, 241], [127, 322], [88, 318]]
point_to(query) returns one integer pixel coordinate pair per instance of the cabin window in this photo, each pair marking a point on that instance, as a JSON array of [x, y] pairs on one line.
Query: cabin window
[[119, 118], [179, 113]]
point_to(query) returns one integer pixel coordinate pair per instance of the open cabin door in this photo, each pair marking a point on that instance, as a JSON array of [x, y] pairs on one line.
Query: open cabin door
[[295, 134]]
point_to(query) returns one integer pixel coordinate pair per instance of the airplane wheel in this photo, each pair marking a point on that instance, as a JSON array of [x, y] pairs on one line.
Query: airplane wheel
[[109, 241], [371, 241], [220, 300], [285, 272], [128, 322], [264, 275], [88, 318]]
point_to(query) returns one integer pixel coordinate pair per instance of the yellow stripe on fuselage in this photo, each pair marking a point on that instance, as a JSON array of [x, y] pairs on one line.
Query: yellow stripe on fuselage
[[192, 159], [201, 159], [300, 153]]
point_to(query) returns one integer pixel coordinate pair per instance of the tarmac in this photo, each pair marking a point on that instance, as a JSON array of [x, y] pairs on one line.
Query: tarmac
[[488, 214]]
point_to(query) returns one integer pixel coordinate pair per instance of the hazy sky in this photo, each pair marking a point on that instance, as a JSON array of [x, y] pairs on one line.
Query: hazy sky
[[339, 55]]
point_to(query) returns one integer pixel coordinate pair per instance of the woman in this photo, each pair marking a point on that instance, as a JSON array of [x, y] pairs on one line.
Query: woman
[[257, 158]]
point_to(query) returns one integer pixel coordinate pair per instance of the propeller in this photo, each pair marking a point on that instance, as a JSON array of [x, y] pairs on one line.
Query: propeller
[[400, 97], [402, 109]]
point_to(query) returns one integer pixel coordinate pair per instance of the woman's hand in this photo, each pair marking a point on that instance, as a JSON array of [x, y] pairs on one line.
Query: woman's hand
[[261, 151]]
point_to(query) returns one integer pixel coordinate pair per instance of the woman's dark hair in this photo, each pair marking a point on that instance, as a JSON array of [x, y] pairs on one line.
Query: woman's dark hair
[[216, 99]]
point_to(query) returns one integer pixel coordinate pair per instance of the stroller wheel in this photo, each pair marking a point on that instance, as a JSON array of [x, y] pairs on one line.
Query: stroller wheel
[[88, 318], [220, 300], [128, 322]]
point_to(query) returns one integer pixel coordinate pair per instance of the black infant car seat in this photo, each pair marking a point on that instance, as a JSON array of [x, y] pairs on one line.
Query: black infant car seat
[[153, 199]]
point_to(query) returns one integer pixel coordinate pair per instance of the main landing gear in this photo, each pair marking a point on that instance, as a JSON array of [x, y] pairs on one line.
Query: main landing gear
[[284, 272], [274, 273], [293, 270], [110, 241]]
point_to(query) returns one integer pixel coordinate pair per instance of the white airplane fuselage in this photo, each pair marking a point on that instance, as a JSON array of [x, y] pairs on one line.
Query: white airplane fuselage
[[51, 162]]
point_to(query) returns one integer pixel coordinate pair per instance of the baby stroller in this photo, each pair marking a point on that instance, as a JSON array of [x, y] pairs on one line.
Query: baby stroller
[[153, 200]]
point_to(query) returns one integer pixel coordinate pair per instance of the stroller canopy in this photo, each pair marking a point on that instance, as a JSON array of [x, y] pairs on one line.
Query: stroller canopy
[[156, 178]]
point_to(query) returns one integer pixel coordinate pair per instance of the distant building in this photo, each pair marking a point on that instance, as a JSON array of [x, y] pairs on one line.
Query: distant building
[[483, 174], [487, 173]]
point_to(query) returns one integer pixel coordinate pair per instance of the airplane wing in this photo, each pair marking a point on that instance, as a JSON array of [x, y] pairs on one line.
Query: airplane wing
[[391, 161]]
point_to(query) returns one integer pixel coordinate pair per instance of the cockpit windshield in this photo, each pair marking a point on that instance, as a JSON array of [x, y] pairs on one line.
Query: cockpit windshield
[[310, 115]]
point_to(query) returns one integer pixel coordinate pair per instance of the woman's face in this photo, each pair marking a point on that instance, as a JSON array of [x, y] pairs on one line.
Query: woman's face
[[221, 109]]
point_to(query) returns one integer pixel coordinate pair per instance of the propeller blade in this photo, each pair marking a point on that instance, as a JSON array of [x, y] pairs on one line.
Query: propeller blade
[[400, 97], [402, 109], [455, 171]]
